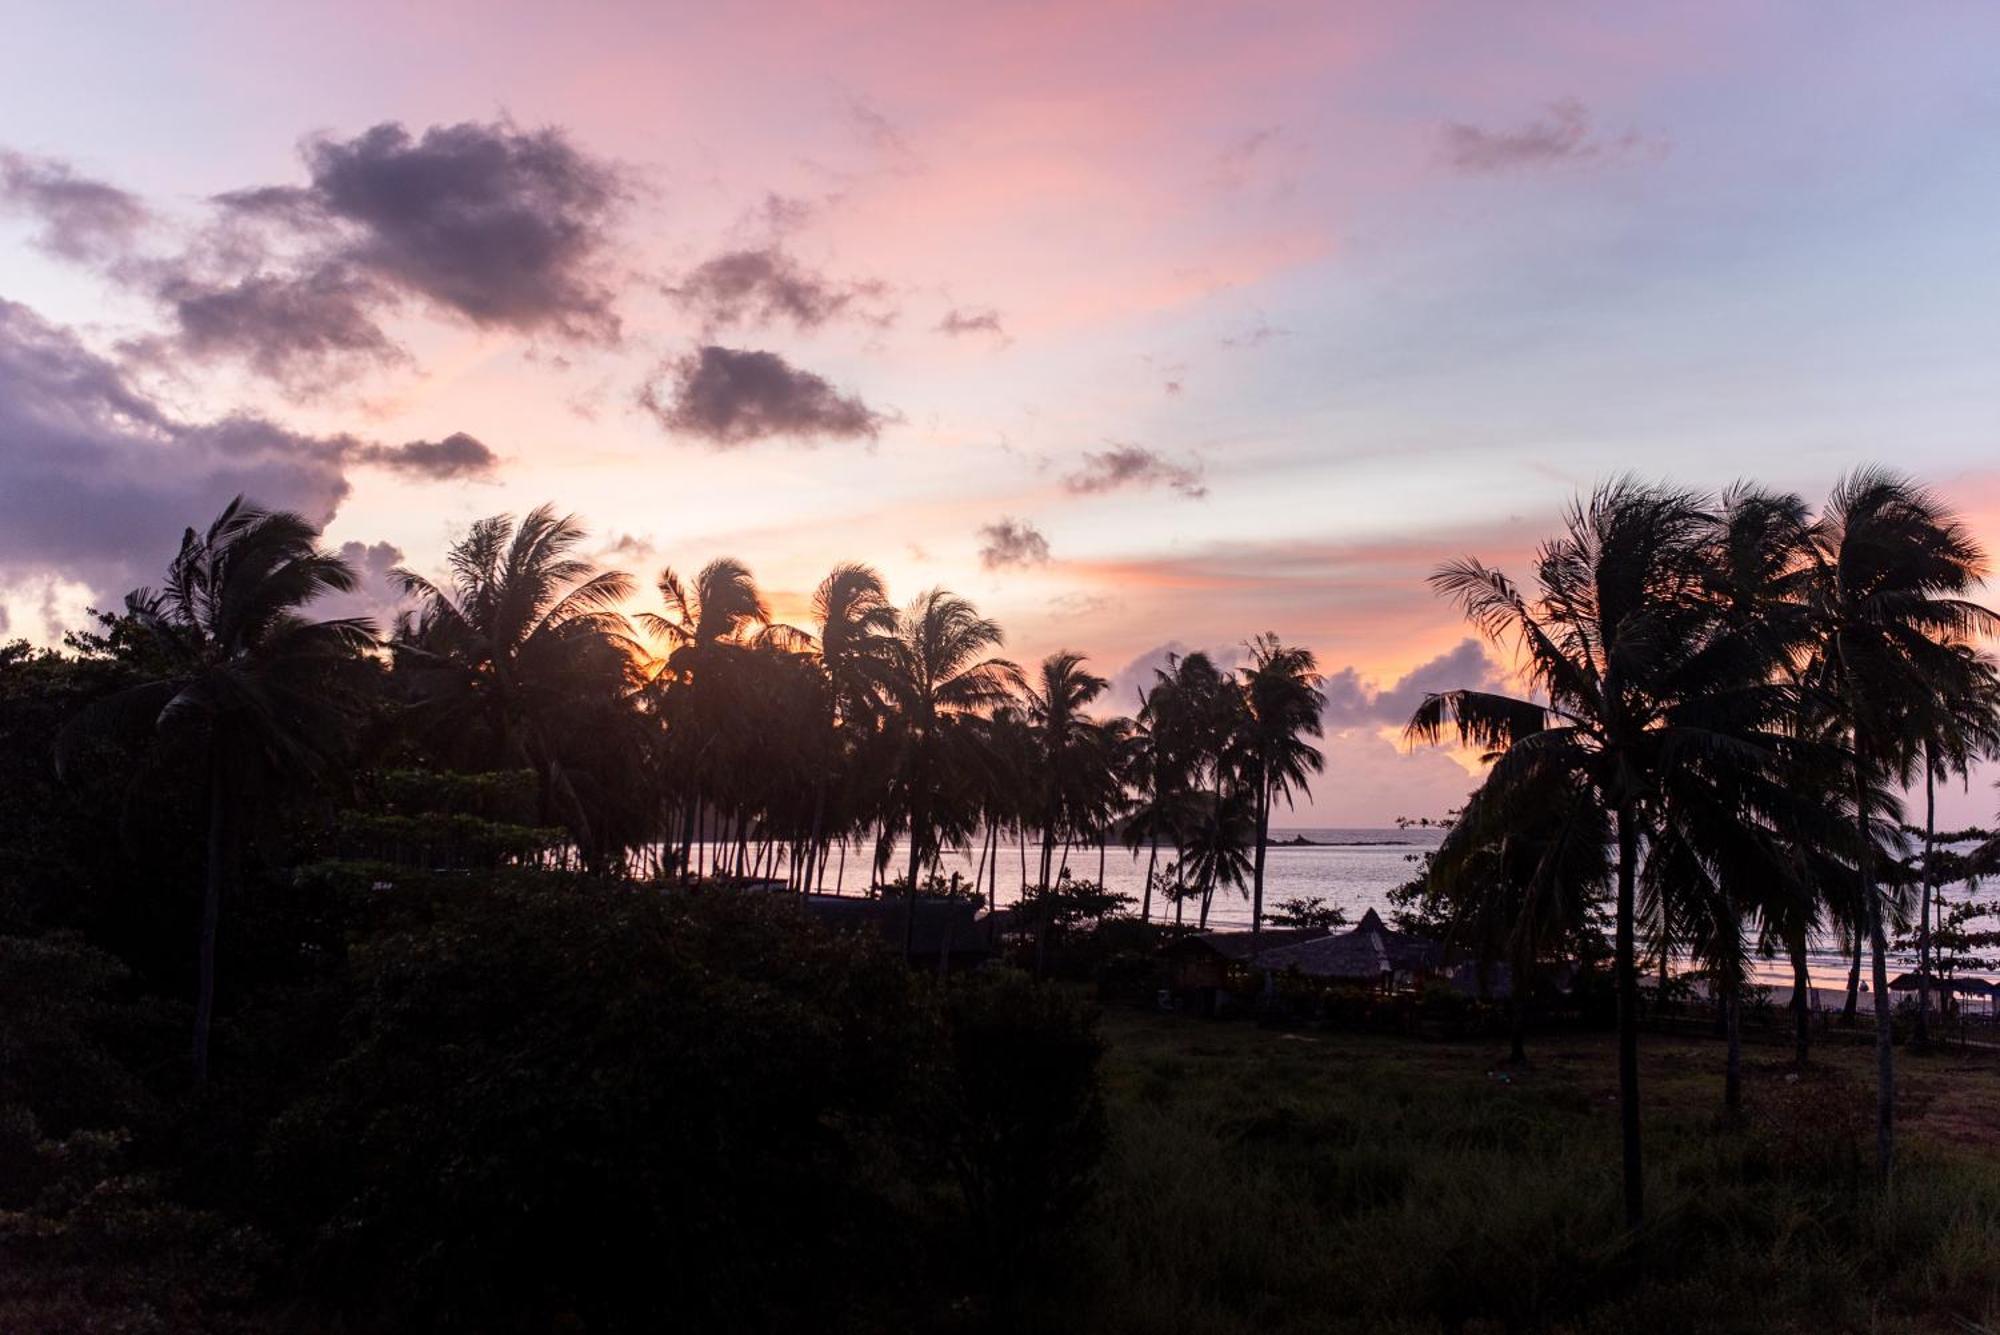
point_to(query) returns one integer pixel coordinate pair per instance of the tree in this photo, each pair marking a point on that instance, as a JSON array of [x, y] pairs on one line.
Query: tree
[[245, 685], [855, 651], [1893, 569], [1520, 876], [944, 677], [704, 629], [507, 656], [1626, 647], [1282, 703], [1063, 732]]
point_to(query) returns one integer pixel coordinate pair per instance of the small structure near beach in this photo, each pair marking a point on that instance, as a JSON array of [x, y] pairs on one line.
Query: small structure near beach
[[1370, 954]]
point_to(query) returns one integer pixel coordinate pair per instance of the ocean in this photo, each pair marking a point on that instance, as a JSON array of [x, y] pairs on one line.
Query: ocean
[[1351, 868]]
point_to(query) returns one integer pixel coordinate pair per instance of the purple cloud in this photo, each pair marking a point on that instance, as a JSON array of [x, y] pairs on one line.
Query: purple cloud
[[731, 397], [760, 288], [1352, 703], [1133, 466], [83, 221], [1012, 542], [1562, 136]]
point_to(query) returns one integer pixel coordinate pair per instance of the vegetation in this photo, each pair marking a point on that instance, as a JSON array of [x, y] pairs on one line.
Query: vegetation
[[1715, 677], [510, 1007]]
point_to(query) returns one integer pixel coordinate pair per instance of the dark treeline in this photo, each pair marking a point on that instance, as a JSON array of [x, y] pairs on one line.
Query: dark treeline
[[485, 1033], [479, 1024], [1729, 695]]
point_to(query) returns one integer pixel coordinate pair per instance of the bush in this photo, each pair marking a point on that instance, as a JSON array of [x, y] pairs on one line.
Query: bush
[[1021, 1113], [617, 1105]]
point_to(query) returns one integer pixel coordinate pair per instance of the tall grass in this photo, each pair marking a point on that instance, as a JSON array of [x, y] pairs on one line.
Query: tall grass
[[1274, 1183]]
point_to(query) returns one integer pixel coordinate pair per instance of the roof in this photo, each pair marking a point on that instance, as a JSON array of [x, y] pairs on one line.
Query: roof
[[943, 925], [1971, 987], [1238, 945], [1369, 950]]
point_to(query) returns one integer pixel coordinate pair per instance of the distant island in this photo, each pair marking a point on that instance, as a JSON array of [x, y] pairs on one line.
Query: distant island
[[1300, 841]]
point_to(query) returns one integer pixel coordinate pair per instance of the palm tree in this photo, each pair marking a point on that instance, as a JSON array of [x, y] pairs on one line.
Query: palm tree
[[1520, 875], [1063, 733], [1621, 640], [1218, 843], [1959, 729], [855, 650], [944, 677], [243, 682], [1282, 707], [1893, 568], [503, 653], [704, 627]]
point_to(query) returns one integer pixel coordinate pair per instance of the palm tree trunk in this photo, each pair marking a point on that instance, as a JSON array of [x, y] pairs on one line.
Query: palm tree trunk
[[916, 846], [1732, 1020], [1885, 1033], [1923, 1038], [220, 850], [1628, 1015], [1257, 876], [1801, 999], [1146, 895], [1848, 1011]]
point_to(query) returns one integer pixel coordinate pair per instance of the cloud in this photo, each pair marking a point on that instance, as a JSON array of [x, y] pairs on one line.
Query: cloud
[[1352, 703], [1562, 136], [1133, 466], [961, 320], [502, 226], [376, 594], [760, 288], [1237, 162], [1012, 542], [83, 221], [97, 480], [730, 397], [308, 333], [1128, 683], [499, 227], [456, 456], [1256, 336]]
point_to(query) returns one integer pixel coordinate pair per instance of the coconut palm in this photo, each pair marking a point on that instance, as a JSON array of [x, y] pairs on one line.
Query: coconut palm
[[1623, 642], [1056, 703], [1282, 703], [243, 683], [499, 656], [1519, 876], [1892, 616], [944, 676], [1217, 853], [1959, 729], [704, 626], [855, 652]]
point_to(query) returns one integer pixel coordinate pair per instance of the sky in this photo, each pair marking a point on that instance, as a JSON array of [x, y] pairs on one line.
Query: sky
[[1147, 327]]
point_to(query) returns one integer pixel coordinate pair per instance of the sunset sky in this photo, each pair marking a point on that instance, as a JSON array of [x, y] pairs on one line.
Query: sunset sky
[[1143, 326]]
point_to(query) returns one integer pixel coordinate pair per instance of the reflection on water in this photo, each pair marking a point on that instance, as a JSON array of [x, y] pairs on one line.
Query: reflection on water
[[1352, 868]]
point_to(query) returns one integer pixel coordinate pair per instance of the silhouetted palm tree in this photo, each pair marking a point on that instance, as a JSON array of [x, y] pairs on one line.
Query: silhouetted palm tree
[[1894, 569], [504, 652], [704, 627], [245, 682], [856, 653], [1056, 701], [1282, 703], [944, 677], [1621, 638]]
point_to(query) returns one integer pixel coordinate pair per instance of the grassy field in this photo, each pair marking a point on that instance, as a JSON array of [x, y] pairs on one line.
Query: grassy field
[[1307, 1181]]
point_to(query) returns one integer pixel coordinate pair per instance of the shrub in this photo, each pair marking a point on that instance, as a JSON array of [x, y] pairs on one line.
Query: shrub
[[622, 1106]]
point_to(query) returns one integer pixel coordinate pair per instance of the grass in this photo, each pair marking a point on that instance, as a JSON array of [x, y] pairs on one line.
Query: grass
[[1311, 1181]]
